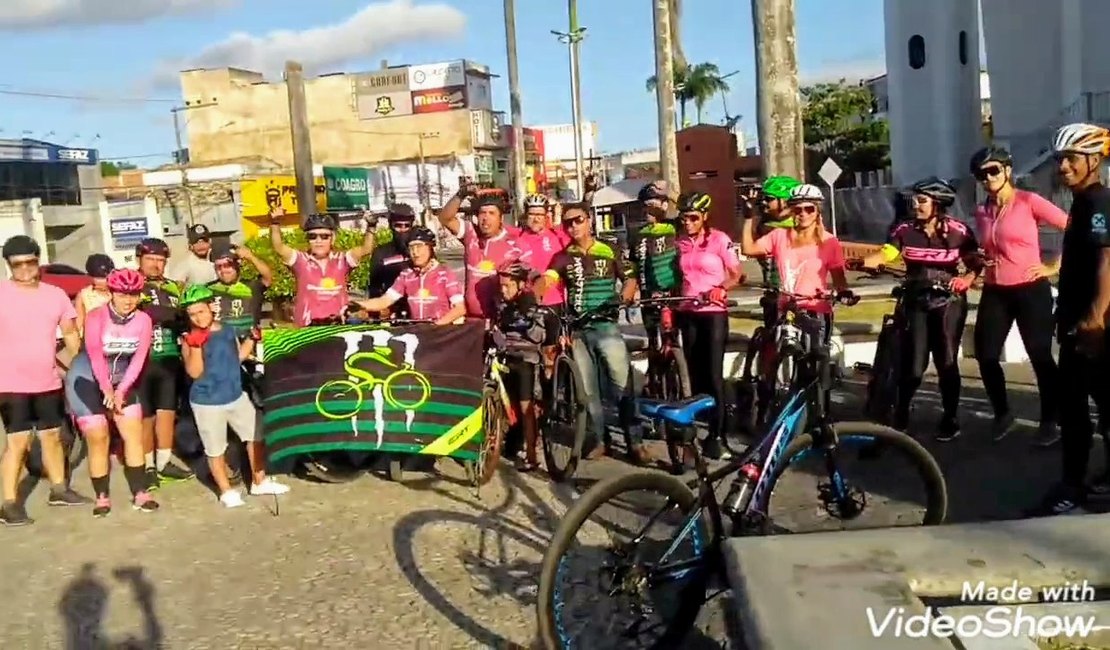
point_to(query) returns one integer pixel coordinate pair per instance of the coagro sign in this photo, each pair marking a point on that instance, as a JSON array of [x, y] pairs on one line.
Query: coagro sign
[[347, 188], [438, 100]]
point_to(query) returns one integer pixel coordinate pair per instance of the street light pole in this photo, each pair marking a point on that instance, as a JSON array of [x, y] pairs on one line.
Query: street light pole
[[514, 106], [573, 37]]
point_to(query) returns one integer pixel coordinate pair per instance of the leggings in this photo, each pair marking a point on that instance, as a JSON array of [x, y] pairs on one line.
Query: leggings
[[1031, 306], [933, 331], [704, 335]]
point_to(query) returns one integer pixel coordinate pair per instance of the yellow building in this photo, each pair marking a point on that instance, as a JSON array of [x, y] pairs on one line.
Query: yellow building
[[395, 114]]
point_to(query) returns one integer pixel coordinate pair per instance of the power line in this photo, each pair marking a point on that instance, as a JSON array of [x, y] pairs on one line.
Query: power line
[[89, 98]]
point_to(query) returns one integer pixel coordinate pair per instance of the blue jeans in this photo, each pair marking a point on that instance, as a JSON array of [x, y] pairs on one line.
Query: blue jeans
[[601, 343]]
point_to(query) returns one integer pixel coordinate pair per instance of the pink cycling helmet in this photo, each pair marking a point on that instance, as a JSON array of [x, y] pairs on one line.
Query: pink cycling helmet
[[126, 281]]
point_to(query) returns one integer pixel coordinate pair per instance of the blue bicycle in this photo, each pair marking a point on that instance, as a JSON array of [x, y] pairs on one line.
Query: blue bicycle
[[658, 582]]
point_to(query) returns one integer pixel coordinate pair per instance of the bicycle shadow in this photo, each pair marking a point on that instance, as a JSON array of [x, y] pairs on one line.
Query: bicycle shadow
[[84, 603]]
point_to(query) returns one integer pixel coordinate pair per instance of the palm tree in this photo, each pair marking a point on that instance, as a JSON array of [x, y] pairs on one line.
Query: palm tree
[[680, 96], [703, 82]]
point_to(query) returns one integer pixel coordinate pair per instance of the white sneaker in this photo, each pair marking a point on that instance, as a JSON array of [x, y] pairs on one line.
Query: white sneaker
[[268, 486], [232, 499]]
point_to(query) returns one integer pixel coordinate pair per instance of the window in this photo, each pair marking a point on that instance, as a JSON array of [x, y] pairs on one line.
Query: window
[[53, 183], [917, 51], [963, 48]]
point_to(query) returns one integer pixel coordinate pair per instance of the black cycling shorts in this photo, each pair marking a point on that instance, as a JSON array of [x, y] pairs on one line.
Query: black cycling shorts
[[160, 386], [520, 380], [24, 412]]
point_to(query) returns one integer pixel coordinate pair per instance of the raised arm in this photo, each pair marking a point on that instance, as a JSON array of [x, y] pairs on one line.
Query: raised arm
[[284, 252], [265, 273], [449, 214], [355, 255]]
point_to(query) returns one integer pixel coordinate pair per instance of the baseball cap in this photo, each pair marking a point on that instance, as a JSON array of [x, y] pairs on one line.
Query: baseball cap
[[197, 232]]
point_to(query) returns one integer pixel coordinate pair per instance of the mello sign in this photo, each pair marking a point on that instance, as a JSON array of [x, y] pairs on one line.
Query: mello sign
[[348, 188]]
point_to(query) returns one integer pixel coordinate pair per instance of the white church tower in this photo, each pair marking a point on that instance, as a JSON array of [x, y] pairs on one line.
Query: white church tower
[[932, 62]]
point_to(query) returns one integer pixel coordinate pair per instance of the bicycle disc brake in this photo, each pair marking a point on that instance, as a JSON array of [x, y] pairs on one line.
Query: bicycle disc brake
[[844, 507]]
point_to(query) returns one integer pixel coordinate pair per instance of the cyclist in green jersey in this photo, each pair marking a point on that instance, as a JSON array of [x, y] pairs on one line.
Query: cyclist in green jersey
[[653, 253], [162, 377], [591, 271], [772, 213], [238, 304]]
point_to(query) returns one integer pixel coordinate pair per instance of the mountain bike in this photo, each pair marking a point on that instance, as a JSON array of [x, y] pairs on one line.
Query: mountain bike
[[497, 416], [625, 571], [667, 377]]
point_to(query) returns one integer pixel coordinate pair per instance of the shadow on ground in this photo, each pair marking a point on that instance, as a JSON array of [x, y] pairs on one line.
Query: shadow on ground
[[84, 603]]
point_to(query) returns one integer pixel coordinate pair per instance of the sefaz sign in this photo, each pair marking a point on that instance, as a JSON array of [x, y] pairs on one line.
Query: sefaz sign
[[438, 100], [127, 232]]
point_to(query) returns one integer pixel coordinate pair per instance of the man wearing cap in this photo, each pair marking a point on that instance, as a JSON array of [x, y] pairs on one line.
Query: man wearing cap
[[196, 268], [392, 257]]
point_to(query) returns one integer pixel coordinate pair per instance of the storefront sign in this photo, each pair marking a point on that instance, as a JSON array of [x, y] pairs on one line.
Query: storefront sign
[[35, 151], [348, 188], [485, 130], [439, 100], [392, 104], [259, 195], [127, 232], [436, 75], [386, 81]]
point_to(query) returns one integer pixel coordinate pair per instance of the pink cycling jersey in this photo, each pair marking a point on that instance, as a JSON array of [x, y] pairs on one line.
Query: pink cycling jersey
[[483, 259], [321, 285], [705, 262], [117, 348], [539, 248], [29, 321], [431, 293], [803, 270], [1010, 236]]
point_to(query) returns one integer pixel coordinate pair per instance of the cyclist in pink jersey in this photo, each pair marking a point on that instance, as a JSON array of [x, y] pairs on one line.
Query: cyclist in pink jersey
[[710, 266], [488, 246], [1016, 287], [542, 242], [321, 272], [431, 288], [101, 383]]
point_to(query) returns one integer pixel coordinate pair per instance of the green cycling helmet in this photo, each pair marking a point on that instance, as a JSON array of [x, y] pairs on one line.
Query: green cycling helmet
[[779, 187], [197, 293]]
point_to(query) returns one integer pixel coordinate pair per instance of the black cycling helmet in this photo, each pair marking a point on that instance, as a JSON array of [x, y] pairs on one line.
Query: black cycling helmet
[[401, 212], [937, 189], [656, 190], [489, 199], [516, 271], [319, 222], [21, 245], [99, 265], [990, 154], [224, 252], [152, 246], [422, 234], [694, 202]]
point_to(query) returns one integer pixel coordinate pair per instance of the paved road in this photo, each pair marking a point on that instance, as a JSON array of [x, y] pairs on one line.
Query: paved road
[[425, 564]]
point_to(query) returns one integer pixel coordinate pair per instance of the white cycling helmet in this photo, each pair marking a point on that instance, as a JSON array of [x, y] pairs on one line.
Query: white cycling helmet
[[1081, 138], [806, 194], [536, 201]]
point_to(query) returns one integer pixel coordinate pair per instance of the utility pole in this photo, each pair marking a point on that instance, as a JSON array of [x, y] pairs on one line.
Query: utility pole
[[179, 157], [664, 93], [302, 139], [573, 37], [514, 106], [779, 104]]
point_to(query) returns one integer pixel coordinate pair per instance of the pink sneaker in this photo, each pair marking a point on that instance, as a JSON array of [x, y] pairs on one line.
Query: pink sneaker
[[103, 506], [144, 502]]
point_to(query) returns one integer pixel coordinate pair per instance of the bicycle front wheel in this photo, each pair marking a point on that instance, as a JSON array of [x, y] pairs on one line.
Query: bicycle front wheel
[[494, 422], [565, 419], [871, 476], [333, 396], [882, 387], [598, 592]]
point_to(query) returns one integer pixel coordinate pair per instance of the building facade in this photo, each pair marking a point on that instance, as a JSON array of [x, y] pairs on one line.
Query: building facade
[[65, 180]]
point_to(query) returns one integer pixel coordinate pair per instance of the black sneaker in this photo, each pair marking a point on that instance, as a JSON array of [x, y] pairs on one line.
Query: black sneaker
[[1060, 500], [172, 473], [14, 514], [711, 448], [948, 430], [152, 480], [1100, 487], [65, 496], [1002, 427], [1048, 434]]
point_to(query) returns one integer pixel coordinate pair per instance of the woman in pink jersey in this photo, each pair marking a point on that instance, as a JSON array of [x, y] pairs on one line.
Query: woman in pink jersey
[[432, 290], [540, 243], [101, 384], [709, 268], [1016, 288]]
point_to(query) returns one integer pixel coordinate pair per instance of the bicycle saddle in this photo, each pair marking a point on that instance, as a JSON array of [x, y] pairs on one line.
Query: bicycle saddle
[[683, 413], [649, 408]]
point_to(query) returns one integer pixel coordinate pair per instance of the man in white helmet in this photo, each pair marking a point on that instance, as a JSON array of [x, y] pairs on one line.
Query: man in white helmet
[[1081, 308]]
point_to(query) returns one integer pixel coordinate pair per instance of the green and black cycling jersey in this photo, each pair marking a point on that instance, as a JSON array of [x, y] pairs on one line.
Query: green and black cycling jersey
[[592, 277], [238, 305], [655, 258], [160, 302]]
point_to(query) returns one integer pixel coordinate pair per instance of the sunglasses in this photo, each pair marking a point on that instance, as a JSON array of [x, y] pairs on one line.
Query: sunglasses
[[806, 208], [23, 264], [984, 173], [401, 225], [313, 236], [691, 218], [576, 221]]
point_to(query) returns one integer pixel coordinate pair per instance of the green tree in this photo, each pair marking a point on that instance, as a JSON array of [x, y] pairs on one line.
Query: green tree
[[109, 168], [697, 83], [837, 121]]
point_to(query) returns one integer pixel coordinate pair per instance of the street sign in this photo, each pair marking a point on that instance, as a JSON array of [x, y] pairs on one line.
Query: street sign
[[830, 172], [348, 188]]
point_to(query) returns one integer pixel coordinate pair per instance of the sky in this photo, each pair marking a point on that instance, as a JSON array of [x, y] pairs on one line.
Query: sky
[[120, 59]]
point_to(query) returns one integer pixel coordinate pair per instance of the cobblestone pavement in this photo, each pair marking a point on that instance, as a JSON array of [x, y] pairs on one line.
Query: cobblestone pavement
[[424, 564]]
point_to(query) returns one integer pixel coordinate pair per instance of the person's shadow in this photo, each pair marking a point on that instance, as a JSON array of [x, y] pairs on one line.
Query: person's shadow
[[85, 600]]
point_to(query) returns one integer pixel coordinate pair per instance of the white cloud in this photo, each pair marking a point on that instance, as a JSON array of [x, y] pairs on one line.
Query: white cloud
[[851, 71], [373, 30], [37, 14]]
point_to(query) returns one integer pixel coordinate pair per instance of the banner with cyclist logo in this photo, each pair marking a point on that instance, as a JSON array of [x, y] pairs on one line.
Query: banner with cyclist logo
[[411, 389]]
